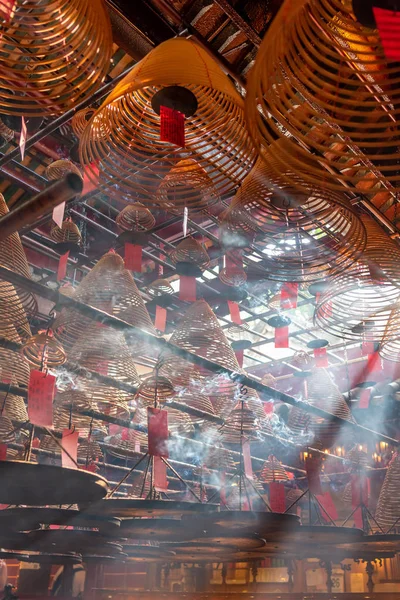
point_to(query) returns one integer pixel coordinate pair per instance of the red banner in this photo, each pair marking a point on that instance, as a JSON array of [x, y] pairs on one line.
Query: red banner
[[157, 424], [289, 293], [70, 444], [282, 337], [388, 24], [160, 320], [234, 310], [172, 126], [187, 288], [40, 398], [160, 475], [313, 469], [321, 358], [239, 357], [62, 266], [277, 500], [133, 257]]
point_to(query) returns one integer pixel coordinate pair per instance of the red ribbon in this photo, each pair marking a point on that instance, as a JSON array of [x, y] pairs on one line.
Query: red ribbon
[[160, 474], [157, 427], [3, 451], [289, 292], [133, 257], [282, 337], [172, 126], [388, 24], [187, 288], [160, 320], [62, 266], [277, 497], [321, 358], [239, 357]]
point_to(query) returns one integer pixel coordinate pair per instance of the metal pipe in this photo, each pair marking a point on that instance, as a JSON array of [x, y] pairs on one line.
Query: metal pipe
[[25, 214]]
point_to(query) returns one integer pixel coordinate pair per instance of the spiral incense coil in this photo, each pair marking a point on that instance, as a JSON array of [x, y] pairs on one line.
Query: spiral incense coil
[[124, 444], [389, 348], [241, 422], [7, 433], [302, 360], [89, 451], [178, 422], [191, 251], [233, 274], [141, 485], [74, 400], [223, 405], [292, 496], [254, 403], [43, 351], [155, 389], [135, 217], [220, 458], [12, 256], [187, 185], [6, 133], [272, 470], [356, 303], [198, 401], [323, 78], [215, 133], [359, 459], [14, 367], [80, 120], [388, 508], [160, 287], [13, 407], [37, 81], [59, 168], [69, 232], [12, 310]]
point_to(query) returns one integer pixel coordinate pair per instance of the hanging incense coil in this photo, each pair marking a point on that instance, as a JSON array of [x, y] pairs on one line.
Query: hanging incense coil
[[215, 134], [12, 310], [241, 422], [74, 400], [388, 507], [155, 389], [89, 451], [43, 351], [80, 120], [355, 304], [272, 470], [300, 237], [66, 414], [13, 407], [233, 273], [178, 422], [7, 433], [293, 495], [359, 459], [67, 237], [135, 217], [223, 405], [141, 485], [59, 168], [389, 348], [160, 287], [6, 134], [220, 458], [190, 251], [38, 82], [334, 96], [14, 367], [254, 403], [12, 256], [124, 444], [187, 185], [197, 401]]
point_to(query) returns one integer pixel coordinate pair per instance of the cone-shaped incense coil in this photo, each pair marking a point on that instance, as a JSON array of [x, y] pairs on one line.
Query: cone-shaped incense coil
[[155, 389], [236, 500], [13, 407], [125, 443], [135, 217], [215, 133], [329, 94], [220, 458], [6, 133], [303, 237], [178, 421], [59, 168], [7, 434], [111, 288], [81, 119], [254, 403], [190, 251], [160, 287], [359, 459], [241, 422], [13, 366], [389, 347], [272, 470], [69, 232], [89, 451], [140, 486], [12, 310], [355, 304], [12, 256], [198, 401], [200, 333], [54, 55], [388, 507], [66, 414], [186, 185], [223, 405], [42, 351]]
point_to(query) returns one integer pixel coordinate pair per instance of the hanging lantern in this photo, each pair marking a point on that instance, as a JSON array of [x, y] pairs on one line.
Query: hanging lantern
[[169, 110], [190, 260], [335, 97], [54, 55]]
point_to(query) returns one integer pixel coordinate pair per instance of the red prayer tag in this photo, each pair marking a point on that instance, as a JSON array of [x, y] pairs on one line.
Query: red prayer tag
[[3, 451], [70, 444], [329, 507], [248, 468], [160, 475], [313, 468], [282, 337], [113, 429], [102, 367], [7, 9], [58, 214], [160, 321], [321, 358], [157, 424], [187, 288], [367, 348], [388, 24], [374, 363], [62, 266], [172, 126], [234, 310], [133, 257], [268, 408], [289, 293], [91, 467], [88, 185], [40, 398], [364, 398], [277, 497], [239, 357]]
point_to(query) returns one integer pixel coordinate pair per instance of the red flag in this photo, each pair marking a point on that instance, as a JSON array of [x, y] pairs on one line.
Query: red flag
[[321, 358], [313, 468], [234, 310], [133, 257], [187, 288], [388, 24], [248, 468], [160, 474], [282, 337], [157, 424], [172, 127], [289, 293], [327, 503], [40, 398], [70, 445], [277, 497], [62, 266], [160, 321]]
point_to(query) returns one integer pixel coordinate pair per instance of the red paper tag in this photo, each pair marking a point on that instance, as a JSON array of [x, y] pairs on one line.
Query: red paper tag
[[58, 214], [282, 337], [160, 321], [172, 127], [133, 257], [367, 348], [374, 363], [232, 267], [160, 475], [289, 296], [157, 424], [359, 490], [364, 398], [62, 266], [125, 434], [114, 429], [248, 468], [88, 186], [3, 451], [388, 24], [91, 467], [40, 398], [268, 408], [70, 444], [313, 468], [277, 497], [239, 357], [102, 367], [234, 310], [327, 503], [187, 288], [7, 9], [321, 358]]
